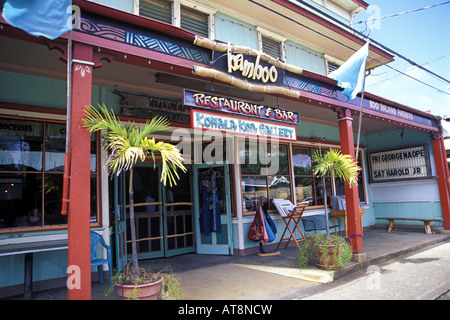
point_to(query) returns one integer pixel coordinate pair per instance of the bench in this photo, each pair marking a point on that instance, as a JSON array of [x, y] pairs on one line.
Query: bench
[[28, 249], [426, 222]]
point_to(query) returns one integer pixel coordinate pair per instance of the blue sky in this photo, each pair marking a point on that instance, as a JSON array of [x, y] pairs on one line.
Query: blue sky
[[422, 37]]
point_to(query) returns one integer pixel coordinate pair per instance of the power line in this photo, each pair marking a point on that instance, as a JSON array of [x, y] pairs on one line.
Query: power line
[[397, 68], [361, 35], [402, 13]]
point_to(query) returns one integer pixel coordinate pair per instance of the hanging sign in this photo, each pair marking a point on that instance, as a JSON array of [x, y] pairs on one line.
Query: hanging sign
[[238, 107], [400, 164], [236, 125]]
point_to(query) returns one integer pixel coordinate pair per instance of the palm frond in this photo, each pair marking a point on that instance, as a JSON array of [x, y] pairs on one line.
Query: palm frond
[[336, 164], [171, 158], [128, 143]]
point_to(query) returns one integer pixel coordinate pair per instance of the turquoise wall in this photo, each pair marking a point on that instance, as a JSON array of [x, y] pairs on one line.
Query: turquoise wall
[[409, 199], [45, 92], [237, 32], [303, 57]]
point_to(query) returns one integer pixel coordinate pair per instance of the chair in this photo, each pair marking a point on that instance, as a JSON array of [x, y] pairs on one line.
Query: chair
[[317, 222], [99, 262]]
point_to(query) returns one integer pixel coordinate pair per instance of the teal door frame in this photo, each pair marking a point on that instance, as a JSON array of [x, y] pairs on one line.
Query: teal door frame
[[211, 244], [120, 196]]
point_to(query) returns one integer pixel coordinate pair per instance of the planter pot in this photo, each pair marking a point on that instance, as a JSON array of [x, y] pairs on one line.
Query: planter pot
[[148, 291], [326, 256]]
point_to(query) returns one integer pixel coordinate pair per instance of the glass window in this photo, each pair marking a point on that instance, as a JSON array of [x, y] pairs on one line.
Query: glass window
[[31, 173], [156, 9], [194, 21], [264, 173], [339, 183], [309, 189], [20, 145]]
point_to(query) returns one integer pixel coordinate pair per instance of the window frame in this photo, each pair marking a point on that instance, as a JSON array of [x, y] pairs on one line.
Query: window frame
[[274, 37], [292, 176], [176, 13], [43, 172]]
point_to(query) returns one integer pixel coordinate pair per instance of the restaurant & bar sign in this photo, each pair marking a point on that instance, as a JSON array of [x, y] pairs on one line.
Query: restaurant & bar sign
[[237, 125], [399, 164], [238, 107]]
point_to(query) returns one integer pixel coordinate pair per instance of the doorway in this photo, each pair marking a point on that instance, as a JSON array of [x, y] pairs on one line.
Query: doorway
[[167, 219], [213, 209]]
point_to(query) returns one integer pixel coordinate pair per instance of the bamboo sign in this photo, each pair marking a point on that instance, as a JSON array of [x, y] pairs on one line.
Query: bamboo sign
[[251, 70], [246, 68]]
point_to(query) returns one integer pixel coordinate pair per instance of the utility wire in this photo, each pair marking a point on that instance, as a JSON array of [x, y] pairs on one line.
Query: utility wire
[[401, 13], [364, 37], [396, 69]]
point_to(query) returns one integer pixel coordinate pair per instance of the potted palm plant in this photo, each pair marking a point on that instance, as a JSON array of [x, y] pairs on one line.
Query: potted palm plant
[[127, 144], [335, 164]]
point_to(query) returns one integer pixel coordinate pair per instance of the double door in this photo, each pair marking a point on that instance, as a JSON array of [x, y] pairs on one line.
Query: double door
[[168, 219]]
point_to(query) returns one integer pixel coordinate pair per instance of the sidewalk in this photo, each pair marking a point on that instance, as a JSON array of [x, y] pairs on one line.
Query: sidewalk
[[210, 277]]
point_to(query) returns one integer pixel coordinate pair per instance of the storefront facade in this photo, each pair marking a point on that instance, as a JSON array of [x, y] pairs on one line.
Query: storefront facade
[[246, 124]]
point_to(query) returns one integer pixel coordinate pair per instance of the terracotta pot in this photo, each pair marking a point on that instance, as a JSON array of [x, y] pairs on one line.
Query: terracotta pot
[[326, 261], [148, 291]]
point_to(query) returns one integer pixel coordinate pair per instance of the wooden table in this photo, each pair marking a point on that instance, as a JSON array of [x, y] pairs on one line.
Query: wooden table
[[343, 214], [28, 249]]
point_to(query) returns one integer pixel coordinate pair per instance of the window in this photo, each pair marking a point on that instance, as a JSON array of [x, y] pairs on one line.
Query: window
[[31, 173], [332, 63], [264, 173], [194, 21], [309, 189], [331, 67], [271, 43], [185, 14], [339, 183], [272, 47], [156, 9]]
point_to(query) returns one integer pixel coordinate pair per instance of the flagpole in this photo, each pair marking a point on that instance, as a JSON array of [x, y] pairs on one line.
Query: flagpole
[[361, 107]]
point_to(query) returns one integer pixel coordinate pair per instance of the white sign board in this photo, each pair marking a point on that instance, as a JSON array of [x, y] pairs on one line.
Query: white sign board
[[237, 125], [400, 164]]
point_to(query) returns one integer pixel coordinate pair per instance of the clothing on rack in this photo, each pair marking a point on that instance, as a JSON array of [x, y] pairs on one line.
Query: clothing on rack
[[210, 215]]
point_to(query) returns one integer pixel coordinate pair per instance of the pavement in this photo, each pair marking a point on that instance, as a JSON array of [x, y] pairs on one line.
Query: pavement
[[252, 277]]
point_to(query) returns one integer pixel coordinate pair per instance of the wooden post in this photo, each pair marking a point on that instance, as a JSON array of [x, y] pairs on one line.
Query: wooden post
[[440, 159], [351, 194], [79, 255]]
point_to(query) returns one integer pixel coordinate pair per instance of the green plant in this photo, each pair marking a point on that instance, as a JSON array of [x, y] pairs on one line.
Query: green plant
[[127, 144], [129, 276], [320, 245], [335, 164], [171, 287], [306, 254]]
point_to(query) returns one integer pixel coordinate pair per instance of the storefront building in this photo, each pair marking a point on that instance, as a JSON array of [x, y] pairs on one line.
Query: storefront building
[[244, 86]]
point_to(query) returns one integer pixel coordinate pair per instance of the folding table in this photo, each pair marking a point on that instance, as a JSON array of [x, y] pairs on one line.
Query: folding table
[[290, 213]]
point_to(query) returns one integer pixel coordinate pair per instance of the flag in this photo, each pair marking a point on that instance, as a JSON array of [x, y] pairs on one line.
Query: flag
[[49, 18], [350, 75]]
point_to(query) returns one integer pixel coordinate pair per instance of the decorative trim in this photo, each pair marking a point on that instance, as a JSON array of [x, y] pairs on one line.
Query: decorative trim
[[142, 38]]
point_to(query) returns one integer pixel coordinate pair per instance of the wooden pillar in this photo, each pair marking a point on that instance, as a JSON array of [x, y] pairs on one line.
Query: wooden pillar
[[351, 194], [79, 256], [440, 159], [444, 157]]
